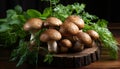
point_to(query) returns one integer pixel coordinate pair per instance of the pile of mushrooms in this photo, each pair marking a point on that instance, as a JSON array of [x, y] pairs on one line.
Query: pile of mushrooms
[[62, 37]]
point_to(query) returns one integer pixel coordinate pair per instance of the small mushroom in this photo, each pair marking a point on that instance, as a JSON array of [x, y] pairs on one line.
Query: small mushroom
[[94, 35], [33, 25], [51, 36], [67, 43], [76, 20], [52, 22], [85, 38]]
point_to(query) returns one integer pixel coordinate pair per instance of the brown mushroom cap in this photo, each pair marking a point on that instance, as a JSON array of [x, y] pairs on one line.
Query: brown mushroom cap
[[67, 43], [50, 34], [85, 38], [44, 37], [33, 24], [93, 34], [69, 29], [52, 21], [76, 20]]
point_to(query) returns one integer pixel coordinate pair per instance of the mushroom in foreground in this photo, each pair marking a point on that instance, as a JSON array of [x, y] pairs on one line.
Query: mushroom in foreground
[[51, 36], [33, 25]]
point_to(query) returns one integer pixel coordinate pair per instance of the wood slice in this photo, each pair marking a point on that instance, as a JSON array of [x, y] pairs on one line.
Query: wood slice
[[78, 59]]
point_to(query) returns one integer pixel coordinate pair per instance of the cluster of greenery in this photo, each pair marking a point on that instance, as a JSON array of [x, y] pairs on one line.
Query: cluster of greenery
[[13, 36]]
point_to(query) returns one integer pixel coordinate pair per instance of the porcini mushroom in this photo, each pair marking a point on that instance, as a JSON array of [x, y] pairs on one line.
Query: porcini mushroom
[[52, 22], [76, 20], [33, 25], [51, 36]]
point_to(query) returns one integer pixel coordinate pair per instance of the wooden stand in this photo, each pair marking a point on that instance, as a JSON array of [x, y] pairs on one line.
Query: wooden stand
[[79, 59]]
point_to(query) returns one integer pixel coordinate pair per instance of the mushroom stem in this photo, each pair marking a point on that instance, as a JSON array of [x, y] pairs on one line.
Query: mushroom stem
[[52, 46], [32, 36], [32, 41]]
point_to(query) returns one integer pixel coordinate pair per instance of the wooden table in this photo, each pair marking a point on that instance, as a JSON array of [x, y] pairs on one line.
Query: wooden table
[[103, 63]]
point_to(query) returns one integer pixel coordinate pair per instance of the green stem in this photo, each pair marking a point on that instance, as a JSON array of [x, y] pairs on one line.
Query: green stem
[[51, 7], [3, 20]]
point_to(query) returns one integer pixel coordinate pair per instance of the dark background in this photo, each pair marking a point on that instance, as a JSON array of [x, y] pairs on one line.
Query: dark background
[[106, 9]]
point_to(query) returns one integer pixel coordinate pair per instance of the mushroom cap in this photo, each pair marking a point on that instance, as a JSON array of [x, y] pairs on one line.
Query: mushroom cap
[[44, 37], [50, 34], [52, 21], [33, 24], [69, 28], [93, 34], [76, 20], [85, 38], [63, 31], [66, 42]]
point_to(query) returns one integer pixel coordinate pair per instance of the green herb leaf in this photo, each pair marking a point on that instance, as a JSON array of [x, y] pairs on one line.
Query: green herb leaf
[[3, 20], [22, 59], [4, 27], [79, 8], [18, 9], [47, 12], [54, 2], [33, 13], [48, 58]]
